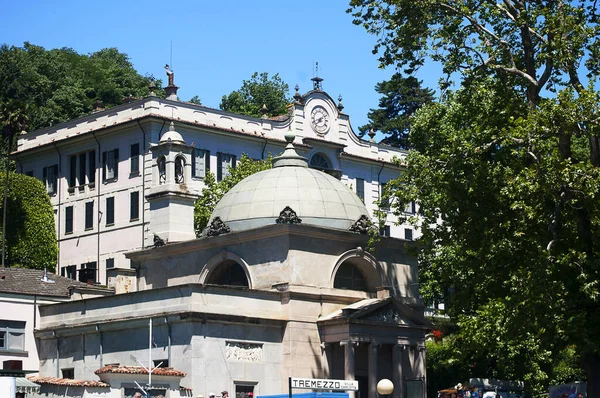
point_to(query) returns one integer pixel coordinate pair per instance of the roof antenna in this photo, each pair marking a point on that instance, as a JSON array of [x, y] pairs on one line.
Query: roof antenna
[[45, 277]]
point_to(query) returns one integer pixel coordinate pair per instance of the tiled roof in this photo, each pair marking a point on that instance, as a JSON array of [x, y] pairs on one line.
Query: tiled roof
[[139, 370], [67, 382], [29, 281]]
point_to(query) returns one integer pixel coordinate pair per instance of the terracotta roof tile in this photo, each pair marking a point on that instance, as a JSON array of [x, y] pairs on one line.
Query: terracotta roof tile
[[67, 382], [139, 370]]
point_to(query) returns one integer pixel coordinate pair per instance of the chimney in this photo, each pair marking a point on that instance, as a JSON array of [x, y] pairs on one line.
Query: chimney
[[98, 106]]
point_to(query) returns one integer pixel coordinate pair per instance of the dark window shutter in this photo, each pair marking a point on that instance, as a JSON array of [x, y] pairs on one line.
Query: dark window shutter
[[45, 174], [194, 161], [219, 167], [92, 175], [104, 166], [116, 163], [206, 161], [73, 171], [233, 160]]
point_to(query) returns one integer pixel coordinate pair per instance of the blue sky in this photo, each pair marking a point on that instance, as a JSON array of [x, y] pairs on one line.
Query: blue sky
[[216, 44]]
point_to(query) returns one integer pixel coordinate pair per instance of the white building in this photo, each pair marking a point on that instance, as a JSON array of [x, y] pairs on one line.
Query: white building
[[98, 168]]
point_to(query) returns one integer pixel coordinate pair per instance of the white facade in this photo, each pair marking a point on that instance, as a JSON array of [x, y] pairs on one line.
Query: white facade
[[99, 169]]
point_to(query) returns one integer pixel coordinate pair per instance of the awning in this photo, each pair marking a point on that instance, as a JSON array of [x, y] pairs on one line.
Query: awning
[[26, 386]]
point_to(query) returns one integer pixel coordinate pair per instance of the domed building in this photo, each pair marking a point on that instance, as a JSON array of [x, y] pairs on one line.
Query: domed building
[[284, 282]]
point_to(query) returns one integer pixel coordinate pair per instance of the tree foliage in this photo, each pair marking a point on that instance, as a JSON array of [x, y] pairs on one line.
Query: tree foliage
[[506, 173], [401, 98], [60, 84], [30, 231], [258, 91], [213, 191]]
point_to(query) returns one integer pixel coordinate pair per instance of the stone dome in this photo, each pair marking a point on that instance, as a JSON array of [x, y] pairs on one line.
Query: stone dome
[[316, 197], [172, 136]]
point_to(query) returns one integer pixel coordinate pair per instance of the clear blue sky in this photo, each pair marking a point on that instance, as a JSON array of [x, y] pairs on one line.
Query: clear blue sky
[[216, 44]]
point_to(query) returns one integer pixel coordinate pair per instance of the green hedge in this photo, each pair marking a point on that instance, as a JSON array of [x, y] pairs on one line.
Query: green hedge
[[30, 230]]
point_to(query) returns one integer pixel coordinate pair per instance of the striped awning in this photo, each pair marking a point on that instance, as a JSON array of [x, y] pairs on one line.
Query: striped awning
[[26, 386]]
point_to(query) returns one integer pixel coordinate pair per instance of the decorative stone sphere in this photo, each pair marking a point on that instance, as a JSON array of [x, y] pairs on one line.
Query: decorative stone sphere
[[385, 387]]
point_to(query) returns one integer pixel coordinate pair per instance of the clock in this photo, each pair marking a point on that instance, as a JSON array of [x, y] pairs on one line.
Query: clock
[[319, 119]]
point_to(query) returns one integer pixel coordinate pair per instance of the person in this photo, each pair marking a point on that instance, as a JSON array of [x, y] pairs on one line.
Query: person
[[579, 395], [211, 395], [224, 394], [137, 395]]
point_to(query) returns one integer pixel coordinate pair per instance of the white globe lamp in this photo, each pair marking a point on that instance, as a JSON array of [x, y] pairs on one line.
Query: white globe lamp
[[385, 387]]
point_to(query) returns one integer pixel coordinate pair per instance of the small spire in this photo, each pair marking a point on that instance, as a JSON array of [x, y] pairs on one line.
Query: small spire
[[372, 134], [98, 106], [297, 95], [317, 81], [264, 111], [340, 105], [172, 126]]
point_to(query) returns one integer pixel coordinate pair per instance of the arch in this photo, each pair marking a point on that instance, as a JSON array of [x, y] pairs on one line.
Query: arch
[[320, 161], [179, 169], [161, 163], [354, 265], [225, 259]]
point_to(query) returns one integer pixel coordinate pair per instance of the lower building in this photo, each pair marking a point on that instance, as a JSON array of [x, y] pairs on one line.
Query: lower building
[[284, 282]]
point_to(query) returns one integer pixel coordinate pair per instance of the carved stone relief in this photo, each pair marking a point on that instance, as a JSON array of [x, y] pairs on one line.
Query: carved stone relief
[[387, 314], [362, 225], [288, 216], [216, 227], [243, 352]]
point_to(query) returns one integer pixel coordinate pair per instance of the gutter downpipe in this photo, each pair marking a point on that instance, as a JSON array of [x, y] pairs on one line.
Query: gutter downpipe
[[57, 356], [144, 182], [58, 215], [99, 213], [262, 155], [379, 179]]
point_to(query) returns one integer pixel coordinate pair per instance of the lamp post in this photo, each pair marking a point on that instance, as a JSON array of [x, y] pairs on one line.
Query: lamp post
[[385, 387]]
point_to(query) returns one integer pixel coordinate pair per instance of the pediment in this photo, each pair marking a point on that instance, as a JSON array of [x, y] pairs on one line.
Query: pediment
[[388, 311]]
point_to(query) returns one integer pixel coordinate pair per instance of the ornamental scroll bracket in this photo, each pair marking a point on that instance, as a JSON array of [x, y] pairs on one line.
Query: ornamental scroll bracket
[[362, 225], [288, 216], [217, 227]]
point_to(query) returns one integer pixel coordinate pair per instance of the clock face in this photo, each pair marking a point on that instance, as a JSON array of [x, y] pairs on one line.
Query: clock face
[[319, 119]]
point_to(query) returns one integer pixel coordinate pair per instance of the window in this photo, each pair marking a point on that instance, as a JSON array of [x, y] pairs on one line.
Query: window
[[110, 211], [89, 215], [408, 234], [385, 231], [161, 163], [87, 273], [244, 391], [384, 200], [82, 170], [70, 271], [12, 335], [320, 162], [134, 159], [360, 188], [200, 163], [410, 208], [68, 219], [134, 212], [224, 163], [349, 276], [29, 173], [161, 363], [68, 373], [50, 176], [110, 263], [228, 273], [110, 170]]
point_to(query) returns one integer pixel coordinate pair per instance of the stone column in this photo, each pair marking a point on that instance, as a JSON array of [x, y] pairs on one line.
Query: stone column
[[349, 363], [397, 374], [373, 348]]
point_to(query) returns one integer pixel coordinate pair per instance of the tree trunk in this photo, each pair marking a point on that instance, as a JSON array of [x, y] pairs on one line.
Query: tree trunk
[[591, 365]]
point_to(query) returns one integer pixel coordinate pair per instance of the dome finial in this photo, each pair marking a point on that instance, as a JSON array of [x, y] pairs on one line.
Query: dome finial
[[290, 157]]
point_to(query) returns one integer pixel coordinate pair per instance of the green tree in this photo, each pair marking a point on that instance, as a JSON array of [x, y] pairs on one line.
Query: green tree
[[258, 91], [213, 191], [30, 231], [60, 84], [506, 173], [195, 100], [401, 98]]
